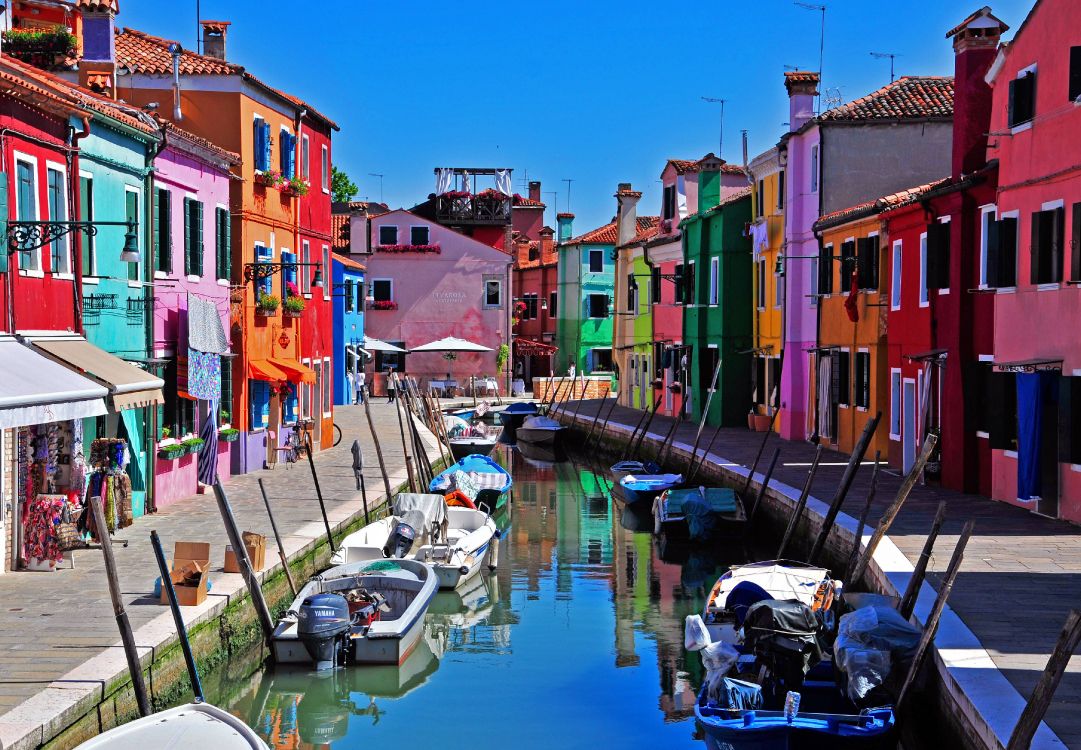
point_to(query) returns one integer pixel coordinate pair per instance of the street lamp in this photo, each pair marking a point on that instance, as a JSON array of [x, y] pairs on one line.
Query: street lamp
[[31, 235]]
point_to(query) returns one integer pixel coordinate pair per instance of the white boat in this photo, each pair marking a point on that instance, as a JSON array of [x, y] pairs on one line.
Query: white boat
[[366, 612], [542, 431], [743, 585], [198, 725], [453, 540]]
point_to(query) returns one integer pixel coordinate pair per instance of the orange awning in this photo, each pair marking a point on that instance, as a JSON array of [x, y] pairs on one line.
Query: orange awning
[[262, 369], [295, 372]]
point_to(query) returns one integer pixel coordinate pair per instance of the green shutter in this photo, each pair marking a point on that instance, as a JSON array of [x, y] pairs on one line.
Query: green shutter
[[187, 238], [4, 220], [227, 261], [197, 207]]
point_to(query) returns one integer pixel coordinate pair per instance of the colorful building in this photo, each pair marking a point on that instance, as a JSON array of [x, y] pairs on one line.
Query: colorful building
[[1034, 262], [349, 301], [716, 295], [536, 282]]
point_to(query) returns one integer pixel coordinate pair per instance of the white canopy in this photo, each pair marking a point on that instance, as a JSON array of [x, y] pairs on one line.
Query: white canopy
[[375, 345], [450, 344], [36, 390]]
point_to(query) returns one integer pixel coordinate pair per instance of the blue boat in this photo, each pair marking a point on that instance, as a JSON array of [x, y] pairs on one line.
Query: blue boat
[[478, 476], [700, 514], [624, 468], [513, 416], [643, 488]]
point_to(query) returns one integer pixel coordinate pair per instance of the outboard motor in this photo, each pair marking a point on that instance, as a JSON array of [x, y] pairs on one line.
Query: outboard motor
[[400, 540], [322, 624]]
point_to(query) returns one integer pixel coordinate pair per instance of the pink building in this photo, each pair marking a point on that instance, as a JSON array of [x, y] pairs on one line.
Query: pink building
[[1034, 261], [191, 257], [428, 282]]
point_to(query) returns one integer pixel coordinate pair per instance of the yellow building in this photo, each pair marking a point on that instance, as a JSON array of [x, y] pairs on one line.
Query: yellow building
[[767, 176]]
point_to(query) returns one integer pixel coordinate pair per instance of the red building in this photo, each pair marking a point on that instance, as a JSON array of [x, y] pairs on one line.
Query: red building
[[536, 280], [941, 320]]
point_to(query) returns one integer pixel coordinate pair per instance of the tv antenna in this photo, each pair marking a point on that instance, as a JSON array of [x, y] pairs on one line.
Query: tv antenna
[[376, 174], [555, 198], [720, 137], [884, 55], [821, 41], [832, 98], [568, 181]]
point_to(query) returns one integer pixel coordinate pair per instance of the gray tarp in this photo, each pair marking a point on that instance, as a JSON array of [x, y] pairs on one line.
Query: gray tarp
[[422, 512]]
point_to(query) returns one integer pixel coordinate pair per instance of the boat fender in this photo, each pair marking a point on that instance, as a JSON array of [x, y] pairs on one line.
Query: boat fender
[[464, 570]]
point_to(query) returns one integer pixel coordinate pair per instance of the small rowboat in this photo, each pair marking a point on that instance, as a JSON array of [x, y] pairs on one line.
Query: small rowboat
[[467, 446], [514, 415], [643, 488], [481, 478], [540, 431], [192, 725], [699, 514], [626, 468]]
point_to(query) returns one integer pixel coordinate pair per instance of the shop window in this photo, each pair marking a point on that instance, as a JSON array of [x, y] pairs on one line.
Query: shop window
[[602, 360], [596, 261], [259, 392], [1046, 248], [1022, 106], [388, 234], [863, 379], [419, 235], [867, 262], [759, 381], [384, 360], [193, 237], [289, 405], [598, 305], [774, 379]]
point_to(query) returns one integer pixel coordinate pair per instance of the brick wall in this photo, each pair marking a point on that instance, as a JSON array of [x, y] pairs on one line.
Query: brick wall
[[597, 386]]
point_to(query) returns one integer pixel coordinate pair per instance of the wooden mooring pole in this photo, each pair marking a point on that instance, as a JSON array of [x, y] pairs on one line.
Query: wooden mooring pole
[[1040, 700], [319, 496], [378, 450], [645, 430], [178, 618], [854, 555], [597, 416], [127, 638], [705, 413], [401, 428], [702, 458], [912, 591], [764, 485], [278, 539], [757, 458], [793, 520], [241, 552]]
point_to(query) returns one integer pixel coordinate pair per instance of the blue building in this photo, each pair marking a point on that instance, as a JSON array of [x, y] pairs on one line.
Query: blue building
[[348, 298]]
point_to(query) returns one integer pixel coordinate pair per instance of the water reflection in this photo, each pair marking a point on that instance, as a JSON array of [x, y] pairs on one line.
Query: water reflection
[[577, 637]]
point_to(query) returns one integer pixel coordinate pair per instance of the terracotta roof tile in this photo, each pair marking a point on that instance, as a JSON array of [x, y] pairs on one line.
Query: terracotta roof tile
[[198, 140], [95, 6], [521, 201], [339, 231], [885, 203], [17, 86], [801, 76], [907, 98], [349, 262], [984, 12], [682, 166], [609, 233]]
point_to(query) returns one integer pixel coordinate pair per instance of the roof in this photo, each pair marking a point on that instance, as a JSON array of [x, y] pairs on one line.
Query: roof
[[647, 228], [907, 98], [984, 12], [609, 233], [687, 166], [98, 6], [201, 142], [520, 201], [565, 215], [349, 262], [149, 55], [738, 195], [801, 76], [22, 89], [682, 166], [886, 202], [216, 27]]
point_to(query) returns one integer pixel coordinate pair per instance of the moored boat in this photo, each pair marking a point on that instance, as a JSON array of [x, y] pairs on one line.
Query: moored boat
[[626, 468], [643, 488], [191, 725], [514, 415], [699, 514], [541, 431], [468, 446], [479, 477], [366, 612]]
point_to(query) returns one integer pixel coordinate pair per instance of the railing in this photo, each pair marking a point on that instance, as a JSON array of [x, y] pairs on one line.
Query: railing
[[473, 209]]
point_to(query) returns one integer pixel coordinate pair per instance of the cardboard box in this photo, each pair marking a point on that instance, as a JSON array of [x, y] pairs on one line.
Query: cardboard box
[[191, 563], [256, 546]]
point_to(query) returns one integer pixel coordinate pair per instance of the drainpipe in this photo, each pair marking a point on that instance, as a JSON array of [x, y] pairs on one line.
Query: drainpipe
[[74, 201], [154, 149], [175, 50]]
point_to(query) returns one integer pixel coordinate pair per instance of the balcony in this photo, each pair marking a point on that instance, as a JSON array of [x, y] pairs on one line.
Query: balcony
[[43, 48], [489, 207]]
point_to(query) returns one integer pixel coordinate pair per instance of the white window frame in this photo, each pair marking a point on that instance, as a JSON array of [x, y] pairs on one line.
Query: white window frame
[[327, 394], [715, 281], [924, 296], [425, 227], [815, 158], [371, 287], [306, 279], [589, 260], [305, 158], [896, 389], [991, 358], [137, 283], [944, 292], [897, 259], [324, 164], [379, 234], [38, 269], [55, 166], [327, 280], [229, 218], [987, 210]]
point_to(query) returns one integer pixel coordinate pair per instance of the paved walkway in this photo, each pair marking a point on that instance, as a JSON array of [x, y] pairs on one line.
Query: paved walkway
[[1021, 573], [57, 630]]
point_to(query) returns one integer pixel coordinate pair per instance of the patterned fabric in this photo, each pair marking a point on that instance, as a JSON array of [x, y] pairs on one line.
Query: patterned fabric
[[208, 451], [205, 333], [464, 483], [44, 514], [203, 376]]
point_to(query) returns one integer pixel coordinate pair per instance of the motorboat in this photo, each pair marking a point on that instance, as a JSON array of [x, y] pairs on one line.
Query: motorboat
[[700, 514], [626, 468], [461, 447], [365, 612], [478, 477], [643, 488], [541, 431], [514, 415], [191, 725], [745, 585], [452, 540]]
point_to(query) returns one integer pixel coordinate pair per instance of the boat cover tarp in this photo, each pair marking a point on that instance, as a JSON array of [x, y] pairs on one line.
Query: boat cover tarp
[[650, 482], [425, 510], [456, 426], [521, 407], [481, 472], [700, 507], [718, 659], [781, 623], [870, 641], [541, 423], [737, 695]]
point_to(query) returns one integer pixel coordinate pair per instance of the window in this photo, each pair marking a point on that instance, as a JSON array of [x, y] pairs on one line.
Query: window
[[669, 207], [987, 228], [226, 403], [715, 282], [1075, 245], [382, 290], [317, 387], [1002, 263], [863, 379], [131, 205], [1003, 432], [163, 235], [596, 261], [287, 154], [602, 360], [1075, 76], [815, 280], [759, 381], [867, 261], [760, 283], [288, 272], [632, 297], [895, 404], [655, 284], [760, 199], [1046, 250], [896, 275], [923, 269], [360, 294], [825, 270], [289, 405], [306, 392], [690, 291], [259, 393], [326, 272], [305, 257], [328, 404], [305, 158], [598, 305], [493, 292], [264, 254], [419, 235], [774, 380], [938, 255], [977, 395], [388, 234], [552, 305], [324, 166], [1022, 106], [178, 410], [778, 289], [26, 208], [1070, 403], [347, 295], [848, 265], [814, 168], [60, 256], [222, 242], [261, 144], [193, 237], [843, 363], [86, 213], [780, 190], [384, 360], [679, 284]]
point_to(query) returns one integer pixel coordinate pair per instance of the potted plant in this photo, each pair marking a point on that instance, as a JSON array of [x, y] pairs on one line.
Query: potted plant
[[193, 444], [762, 422], [268, 178], [383, 304], [229, 435], [297, 186], [171, 452], [267, 304], [293, 306], [41, 47]]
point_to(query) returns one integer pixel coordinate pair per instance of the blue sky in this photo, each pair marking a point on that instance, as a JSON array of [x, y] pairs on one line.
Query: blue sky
[[597, 92]]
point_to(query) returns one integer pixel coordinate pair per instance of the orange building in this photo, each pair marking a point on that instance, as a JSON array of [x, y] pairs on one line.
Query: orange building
[[273, 390]]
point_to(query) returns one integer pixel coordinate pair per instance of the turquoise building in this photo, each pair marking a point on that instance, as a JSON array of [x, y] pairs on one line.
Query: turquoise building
[[586, 283]]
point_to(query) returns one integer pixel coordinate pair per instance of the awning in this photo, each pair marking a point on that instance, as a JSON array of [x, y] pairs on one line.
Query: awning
[[262, 369], [36, 390], [294, 371], [1030, 365], [924, 356], [129, 386], [533, 348]]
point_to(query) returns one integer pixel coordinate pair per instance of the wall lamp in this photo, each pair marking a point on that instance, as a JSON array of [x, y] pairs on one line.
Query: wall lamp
[[260, 270], [31, 235]]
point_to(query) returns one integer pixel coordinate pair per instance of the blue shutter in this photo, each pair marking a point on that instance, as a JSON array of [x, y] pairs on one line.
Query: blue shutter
[[266, 145], [283, 153], [260, 145], [288, 274], [290, 414], [292, 156], [262, 255], [260, 403]]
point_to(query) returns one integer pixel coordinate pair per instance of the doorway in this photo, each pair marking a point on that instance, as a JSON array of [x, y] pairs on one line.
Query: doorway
[[908, 428]]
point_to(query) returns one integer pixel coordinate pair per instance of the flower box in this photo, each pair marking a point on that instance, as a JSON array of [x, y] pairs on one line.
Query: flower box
[[43, 48], [266, 312], [172, 452], [269, 178], [228, 435], [295, 187], [383, 305], [432, 249], [292, 313]]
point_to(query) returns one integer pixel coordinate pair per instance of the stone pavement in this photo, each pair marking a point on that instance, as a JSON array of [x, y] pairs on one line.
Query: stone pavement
[[54, 625], [1021, 573]]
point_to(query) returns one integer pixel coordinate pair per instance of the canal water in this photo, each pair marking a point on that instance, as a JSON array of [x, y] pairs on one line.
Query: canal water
[[576, 641]]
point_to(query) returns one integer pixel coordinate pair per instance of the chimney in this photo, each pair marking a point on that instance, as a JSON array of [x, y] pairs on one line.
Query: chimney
[[565, 221], [802, 88], [97, 68], [534, 190], [521, 251], [709, 181], [626, 213], [214, 38], [975, 42], [547, 245], [358, 232]]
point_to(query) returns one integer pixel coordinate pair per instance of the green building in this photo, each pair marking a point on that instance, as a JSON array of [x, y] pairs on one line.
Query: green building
[[585, 287], [717, 313]]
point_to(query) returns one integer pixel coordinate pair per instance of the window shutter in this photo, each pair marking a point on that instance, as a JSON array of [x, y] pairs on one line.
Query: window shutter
[[1001, 385], [1011, 108], [292, 156], [1075, 73], [872, 262], [863, 262], [1057, 229], [260, 145], [1075, 242], [938, 256], [198, 236], [993, 241], [1007, 260], [1035, 272], [835, 378], [187, 238], [266, 145]]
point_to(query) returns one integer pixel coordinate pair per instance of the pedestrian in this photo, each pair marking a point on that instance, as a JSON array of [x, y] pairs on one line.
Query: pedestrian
[[390, 385], [571, 371], [350, 387], [362, 381]]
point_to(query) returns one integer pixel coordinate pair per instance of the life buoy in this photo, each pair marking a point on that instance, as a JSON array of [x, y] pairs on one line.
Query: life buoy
[[459, 499]]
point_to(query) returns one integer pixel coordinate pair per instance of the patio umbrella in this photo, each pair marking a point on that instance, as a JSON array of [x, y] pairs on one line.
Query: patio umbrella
[[450, 344], [208, 451], [375, 345]]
